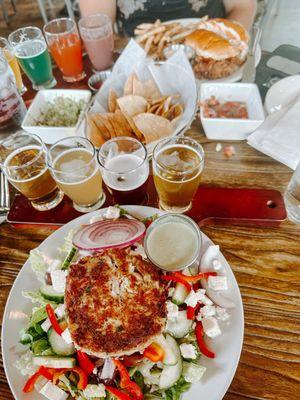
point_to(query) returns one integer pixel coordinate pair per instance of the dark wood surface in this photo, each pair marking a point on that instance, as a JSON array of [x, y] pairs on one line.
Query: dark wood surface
[[266, 264]]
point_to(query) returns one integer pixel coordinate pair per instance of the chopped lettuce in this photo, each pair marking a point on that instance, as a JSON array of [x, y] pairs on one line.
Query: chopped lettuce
[[36, 297], [67, 245], [38, 264], [41, 347], [25, 364]]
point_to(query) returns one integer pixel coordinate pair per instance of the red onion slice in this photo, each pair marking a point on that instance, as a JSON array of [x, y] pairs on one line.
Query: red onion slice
[[109, 234]]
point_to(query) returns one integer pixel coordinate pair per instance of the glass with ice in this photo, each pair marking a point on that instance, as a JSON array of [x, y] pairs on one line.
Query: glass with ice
[[73, 165]]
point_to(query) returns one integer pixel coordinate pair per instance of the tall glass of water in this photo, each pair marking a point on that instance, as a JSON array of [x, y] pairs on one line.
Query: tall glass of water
[[33, 56], [125, 169], [292, 197]]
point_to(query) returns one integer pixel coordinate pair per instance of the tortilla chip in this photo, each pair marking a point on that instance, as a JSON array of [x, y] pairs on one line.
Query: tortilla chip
[[132, 105], [121, 125], [128, 87], [174, 112], [153, 127], [147, 89], [93, 132], [112, 101], [103, 128]]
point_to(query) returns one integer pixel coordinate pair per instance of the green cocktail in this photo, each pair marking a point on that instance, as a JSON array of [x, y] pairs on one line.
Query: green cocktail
[[33, 56]]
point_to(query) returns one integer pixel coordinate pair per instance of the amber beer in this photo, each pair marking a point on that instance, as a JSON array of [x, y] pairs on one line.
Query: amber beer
[[177, 167], [23, 160]]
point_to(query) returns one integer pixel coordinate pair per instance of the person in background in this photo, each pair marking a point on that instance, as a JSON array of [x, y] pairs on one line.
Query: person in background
[[130, 13]]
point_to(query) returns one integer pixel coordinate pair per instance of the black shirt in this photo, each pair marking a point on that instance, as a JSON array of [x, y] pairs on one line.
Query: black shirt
[[131, 13]]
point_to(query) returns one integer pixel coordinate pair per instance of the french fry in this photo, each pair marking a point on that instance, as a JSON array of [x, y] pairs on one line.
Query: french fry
[[148, 44]]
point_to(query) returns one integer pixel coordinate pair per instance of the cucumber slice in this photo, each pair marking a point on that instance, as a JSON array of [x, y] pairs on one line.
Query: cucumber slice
[[180, 326], [180, 294], [54, 362], [59, 345], [170, 357], [49, 293], [171, 373]]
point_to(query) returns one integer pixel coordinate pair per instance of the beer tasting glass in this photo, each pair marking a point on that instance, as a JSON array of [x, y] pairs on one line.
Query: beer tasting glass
[[32, 54], [97, 35], [177, 166], [12, 107], [73, 164], [125, 169], [13, 63], [65, 46], [23, 160]]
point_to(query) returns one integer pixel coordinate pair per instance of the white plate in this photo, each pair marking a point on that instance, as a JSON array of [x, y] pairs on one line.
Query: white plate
[[238, 74], [220, 370], [50, 134], [282, 93]]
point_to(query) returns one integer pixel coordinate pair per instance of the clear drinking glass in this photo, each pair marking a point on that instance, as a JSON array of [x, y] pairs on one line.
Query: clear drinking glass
[[177, 166], [73, 164], [97, 35], [65, 46], [13, 63], [292, 197], [23, 160], [32, 54], [12, 107], [125, 169]]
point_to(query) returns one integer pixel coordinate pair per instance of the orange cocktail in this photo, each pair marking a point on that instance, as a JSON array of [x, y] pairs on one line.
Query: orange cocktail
[[65, 46]]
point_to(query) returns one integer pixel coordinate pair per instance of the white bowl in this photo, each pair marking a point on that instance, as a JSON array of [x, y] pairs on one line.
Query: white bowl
[[50, 134], [232, 128]]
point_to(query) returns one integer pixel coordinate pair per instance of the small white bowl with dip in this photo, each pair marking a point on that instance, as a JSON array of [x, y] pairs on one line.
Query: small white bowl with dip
[[173, 242]]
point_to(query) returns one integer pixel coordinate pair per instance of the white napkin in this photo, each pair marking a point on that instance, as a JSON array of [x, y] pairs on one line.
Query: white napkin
[[279, 135]]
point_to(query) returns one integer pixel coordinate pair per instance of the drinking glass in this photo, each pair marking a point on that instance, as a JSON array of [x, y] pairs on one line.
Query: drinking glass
[[13, 63], [33, 56], [125, 169], [292, 197], [65, 46], [73, 164], [177, 166], [97, 35], [12, 107], [23, 160]]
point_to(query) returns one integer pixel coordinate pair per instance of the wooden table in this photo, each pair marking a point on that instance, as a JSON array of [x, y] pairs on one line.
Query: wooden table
[[266, 264]]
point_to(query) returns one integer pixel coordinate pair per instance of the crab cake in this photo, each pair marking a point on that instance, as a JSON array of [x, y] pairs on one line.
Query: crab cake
[[115, 303]]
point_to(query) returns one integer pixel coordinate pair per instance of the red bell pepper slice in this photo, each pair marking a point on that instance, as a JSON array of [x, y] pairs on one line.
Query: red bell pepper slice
[[83, 377], [85, 363], [132, 360], [194, 278], [53, 319], [192, 311], [178, 279], [154, 352], [118, 393], [42, 371], [126, 383], [201, 343]]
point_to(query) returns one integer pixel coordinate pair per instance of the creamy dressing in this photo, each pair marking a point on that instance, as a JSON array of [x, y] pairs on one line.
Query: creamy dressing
[[172, 245]]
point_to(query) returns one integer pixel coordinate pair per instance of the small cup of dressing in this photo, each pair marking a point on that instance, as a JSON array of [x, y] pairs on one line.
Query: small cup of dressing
[[173, 242]]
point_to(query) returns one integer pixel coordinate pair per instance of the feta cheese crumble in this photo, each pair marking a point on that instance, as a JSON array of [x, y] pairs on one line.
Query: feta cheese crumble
[[211, 327], [194, 297], [172, 310], [54, 265], [58, 278], [112, 213], [188, 351], [53, 392], [67, 336], [60, 310], [217, 282], [92, 391], [208, 311], [46, 325], [222, 314]]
